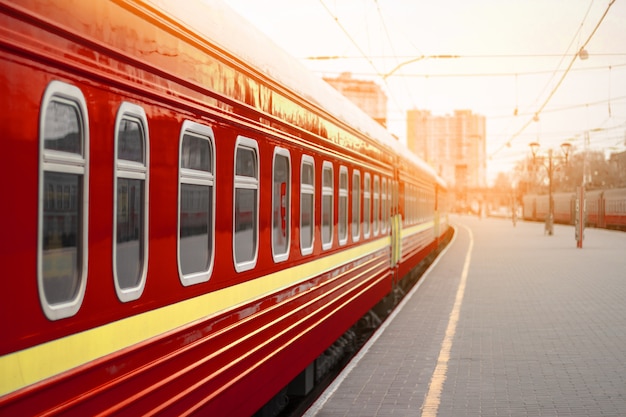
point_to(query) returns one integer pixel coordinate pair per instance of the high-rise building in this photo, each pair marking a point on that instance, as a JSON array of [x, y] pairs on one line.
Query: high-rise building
[[454, 145], [367, 95]]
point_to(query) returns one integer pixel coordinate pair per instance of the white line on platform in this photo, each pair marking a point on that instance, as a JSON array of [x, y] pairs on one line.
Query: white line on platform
[[433, 397], [319, 403]]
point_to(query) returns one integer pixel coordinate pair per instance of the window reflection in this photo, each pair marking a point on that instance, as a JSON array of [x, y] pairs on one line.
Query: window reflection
[[195, 248], [343, 206], [245, 225], [61, 234], [130, 224], [246, 210], [307, 197], [130, 141], [195, 233], [327, 204], [281, 199], [62, 128], [196, 153]]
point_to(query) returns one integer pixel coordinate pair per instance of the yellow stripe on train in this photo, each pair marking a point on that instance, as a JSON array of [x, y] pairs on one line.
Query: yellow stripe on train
[[25, 367]]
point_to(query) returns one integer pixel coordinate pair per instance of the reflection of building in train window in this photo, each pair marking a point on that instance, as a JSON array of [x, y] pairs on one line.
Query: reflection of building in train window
[[343, 205], [130, 228], [328, 193], [64, 147], [59, 197], [196, 211], [307, 205], [66, 197], [246, 203], [281, 205]]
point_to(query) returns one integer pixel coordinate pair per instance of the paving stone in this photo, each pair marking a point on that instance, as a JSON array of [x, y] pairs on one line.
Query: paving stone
[[541, 331]]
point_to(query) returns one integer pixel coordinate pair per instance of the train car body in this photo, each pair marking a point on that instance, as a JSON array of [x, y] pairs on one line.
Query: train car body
[[603, 208], [194, 218], [614, 209]]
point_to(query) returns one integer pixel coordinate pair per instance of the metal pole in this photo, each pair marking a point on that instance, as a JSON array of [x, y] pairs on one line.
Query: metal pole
[[550, 218], [580, 221], [582, 206]]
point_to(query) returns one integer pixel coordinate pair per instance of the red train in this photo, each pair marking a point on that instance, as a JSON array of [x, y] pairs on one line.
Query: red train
[[196, 219], [605, 208]]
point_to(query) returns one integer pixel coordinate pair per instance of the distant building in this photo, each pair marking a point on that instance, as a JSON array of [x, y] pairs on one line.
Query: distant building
[[454, 145], [366, 94]]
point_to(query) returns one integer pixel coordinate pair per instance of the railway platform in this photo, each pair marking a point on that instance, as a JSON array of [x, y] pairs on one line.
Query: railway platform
[[507, 322]]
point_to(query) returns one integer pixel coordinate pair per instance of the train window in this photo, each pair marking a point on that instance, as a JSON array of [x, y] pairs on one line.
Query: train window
[[327, 204], [391, 198], [367, 220], [406, 219], [343, 205], [246, 198], [281, 204], [196, 203], [307, 204], [383, 211], [409, 204], [356, 205], [130, 219], [63, 200], [376, 203]]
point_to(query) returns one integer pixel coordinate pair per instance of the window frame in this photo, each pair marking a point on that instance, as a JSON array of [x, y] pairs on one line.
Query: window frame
[[376, 212], [308, 189], [202, 178], [328, 192], [245, 182], [65, 163], [132, 170], [282, 256], [383, 206], [366, 222], [343, 193], [355, 224]]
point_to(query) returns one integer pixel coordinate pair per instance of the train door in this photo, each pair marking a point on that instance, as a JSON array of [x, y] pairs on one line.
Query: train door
[[396, 228]]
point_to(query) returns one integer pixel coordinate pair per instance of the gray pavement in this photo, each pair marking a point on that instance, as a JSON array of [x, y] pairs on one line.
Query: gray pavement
[[535, 327]]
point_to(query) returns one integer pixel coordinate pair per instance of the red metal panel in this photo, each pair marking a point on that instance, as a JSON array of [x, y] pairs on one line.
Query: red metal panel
[[219, 358], [135, 53]]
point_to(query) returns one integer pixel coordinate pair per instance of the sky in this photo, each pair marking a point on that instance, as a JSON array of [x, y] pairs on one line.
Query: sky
[[510, 57]]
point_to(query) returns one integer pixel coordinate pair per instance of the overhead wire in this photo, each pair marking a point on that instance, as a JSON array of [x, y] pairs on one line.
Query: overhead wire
[[556, 87], [486, 74], [394, 56], [352, 40], [563, 56]]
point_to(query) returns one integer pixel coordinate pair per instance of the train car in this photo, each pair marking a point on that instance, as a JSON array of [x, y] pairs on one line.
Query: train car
[[594, 208], [564, 204], [196, 218], [614, 204], [604, 208]]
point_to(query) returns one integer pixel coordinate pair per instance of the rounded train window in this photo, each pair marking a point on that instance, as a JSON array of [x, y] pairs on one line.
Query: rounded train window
[[327, 204], [342, 221], [196, 203], [130, 196], [246, 207], [63, 200], [281, 204], [307, 205]]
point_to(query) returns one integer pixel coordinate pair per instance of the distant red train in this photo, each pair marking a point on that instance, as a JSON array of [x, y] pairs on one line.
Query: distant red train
[[194, 218], [605, 208]]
